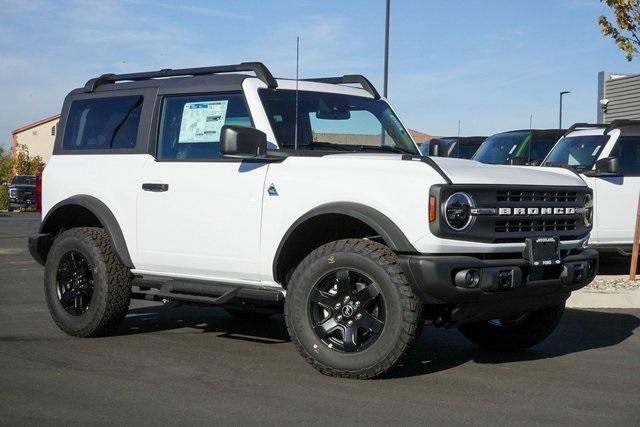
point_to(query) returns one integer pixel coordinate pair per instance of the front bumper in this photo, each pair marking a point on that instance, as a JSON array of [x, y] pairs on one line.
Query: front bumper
[[501, 287]]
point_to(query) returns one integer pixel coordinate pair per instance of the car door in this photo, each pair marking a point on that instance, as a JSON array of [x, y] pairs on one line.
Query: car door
[[199, 213], [616, 198]]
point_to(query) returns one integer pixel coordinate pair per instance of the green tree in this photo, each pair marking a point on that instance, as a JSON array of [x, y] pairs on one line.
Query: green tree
[[5, 165], [626, 30], [24, 164]]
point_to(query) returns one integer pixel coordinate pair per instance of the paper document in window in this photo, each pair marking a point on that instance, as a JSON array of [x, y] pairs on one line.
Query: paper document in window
[[202, 121]]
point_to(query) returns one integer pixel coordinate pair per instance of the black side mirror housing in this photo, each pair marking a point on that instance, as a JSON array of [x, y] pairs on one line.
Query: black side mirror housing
[[608, 166], [242, 142]]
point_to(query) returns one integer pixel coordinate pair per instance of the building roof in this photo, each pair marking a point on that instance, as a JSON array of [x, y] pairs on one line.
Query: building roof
[[420, 137], [34, 124]]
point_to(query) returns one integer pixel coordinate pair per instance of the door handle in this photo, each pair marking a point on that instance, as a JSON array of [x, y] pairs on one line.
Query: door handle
[[150, 186]]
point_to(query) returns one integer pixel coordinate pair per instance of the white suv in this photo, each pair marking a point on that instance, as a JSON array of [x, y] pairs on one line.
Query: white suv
[[205, 186], [607, 157]]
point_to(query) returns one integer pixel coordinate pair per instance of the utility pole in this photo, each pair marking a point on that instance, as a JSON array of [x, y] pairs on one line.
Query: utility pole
[[386, 50], [564, 92]]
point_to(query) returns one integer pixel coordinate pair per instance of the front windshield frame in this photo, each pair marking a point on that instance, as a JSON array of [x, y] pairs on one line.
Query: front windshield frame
[[558, 152], [396, 136], [523, 139]]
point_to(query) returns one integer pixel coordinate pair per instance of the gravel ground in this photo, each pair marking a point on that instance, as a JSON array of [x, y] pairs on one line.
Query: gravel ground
[[614, 283]]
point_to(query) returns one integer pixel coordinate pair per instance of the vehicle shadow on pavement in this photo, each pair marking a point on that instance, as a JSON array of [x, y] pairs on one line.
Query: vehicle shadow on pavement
[[207, 319], [580, 330]]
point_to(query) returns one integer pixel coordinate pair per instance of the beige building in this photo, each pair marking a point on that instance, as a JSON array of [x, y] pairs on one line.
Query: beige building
[[37, 136]]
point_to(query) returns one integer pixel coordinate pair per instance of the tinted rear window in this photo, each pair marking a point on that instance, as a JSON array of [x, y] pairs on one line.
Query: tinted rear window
[[103, 123]]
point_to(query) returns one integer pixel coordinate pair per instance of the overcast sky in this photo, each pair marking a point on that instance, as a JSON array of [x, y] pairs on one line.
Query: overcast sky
[[489, 64]]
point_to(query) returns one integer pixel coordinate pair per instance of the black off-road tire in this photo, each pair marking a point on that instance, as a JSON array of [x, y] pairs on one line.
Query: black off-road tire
[[403, 310], [111, 283], [534, 328]]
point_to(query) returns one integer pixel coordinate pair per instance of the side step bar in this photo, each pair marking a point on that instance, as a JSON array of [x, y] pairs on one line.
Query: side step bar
[[203, 292]]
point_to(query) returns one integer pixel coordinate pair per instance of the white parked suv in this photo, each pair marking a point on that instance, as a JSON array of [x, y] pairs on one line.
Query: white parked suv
[[607, 157], [207, 186]]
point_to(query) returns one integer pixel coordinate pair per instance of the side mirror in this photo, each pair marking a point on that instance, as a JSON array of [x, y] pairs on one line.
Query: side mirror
[[608, 166], [518, 161], [242, 142]]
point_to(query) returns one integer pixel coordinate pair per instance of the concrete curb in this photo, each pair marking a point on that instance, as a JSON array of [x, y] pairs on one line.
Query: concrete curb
[[587, 298]]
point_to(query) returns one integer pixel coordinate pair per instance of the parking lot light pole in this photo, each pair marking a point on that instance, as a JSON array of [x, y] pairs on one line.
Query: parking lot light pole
[[564, 92]]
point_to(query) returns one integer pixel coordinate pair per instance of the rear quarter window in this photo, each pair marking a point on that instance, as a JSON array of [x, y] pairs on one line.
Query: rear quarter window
[[103, 123]]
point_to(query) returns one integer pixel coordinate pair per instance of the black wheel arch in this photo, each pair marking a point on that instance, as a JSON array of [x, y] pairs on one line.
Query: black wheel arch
[[363, 217], [81, 211]]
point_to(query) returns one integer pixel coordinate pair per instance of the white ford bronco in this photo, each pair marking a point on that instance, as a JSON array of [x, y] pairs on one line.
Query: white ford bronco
[[607, 157], [210, 186]]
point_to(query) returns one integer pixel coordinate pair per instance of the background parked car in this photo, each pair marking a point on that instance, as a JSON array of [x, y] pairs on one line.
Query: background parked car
[[518, 147], [607, 157], [459, 147], [21, 190]]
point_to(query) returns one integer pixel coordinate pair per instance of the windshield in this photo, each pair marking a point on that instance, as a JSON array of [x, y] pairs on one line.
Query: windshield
[[23, 180], [468, 149], [579, 152], [331, 121], [501, 148]]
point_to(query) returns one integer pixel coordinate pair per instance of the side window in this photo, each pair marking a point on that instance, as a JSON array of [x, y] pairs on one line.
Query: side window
[[190, 125], [628, 150], [103, 123]]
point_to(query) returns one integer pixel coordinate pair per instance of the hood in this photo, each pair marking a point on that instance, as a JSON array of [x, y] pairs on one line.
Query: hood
[[462, 171]]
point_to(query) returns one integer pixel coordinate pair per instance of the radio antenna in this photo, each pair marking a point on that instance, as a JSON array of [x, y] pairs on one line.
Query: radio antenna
[[295, 126]]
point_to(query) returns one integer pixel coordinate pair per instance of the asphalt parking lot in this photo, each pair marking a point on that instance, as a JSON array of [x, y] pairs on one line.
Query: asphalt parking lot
[[200, 366]]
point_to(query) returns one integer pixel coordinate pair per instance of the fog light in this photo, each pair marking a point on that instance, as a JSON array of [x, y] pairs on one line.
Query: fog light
[[467, 278]]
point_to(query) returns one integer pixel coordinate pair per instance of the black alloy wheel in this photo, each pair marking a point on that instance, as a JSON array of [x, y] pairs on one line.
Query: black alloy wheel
[[75, 283], [347, 310]]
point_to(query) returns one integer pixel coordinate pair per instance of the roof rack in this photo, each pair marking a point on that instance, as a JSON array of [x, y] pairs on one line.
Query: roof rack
[[620, 123], [583, 126], [261, 71], [347, 79]]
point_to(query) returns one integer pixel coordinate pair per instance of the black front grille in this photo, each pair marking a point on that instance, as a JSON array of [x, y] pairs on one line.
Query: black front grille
[[536, 196], [532, 225]]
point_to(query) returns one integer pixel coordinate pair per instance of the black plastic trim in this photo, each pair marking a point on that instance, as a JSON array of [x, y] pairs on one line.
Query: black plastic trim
[[616, 124], [432, 277], [428, 160], [104, 215], [349, 79], [380, 223], [260, 70]]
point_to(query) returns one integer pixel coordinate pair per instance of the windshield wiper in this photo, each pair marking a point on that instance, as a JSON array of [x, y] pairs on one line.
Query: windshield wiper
[[386, 148], [565, 165]]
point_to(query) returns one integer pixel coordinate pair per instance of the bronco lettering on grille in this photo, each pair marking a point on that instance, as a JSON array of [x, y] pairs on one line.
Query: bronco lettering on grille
[[537, 211]]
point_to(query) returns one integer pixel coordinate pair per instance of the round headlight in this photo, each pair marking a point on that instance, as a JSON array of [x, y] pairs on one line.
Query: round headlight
[[588, 210], [457, 211]]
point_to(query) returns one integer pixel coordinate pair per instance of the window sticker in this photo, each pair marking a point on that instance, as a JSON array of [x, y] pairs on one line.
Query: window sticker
[[595, 150], [513, 149], [202, 121]]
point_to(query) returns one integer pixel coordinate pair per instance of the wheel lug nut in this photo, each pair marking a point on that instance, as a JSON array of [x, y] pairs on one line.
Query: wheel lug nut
[[346, 299], [350, 322], [339, 317], [358, 316], [338, 305], [357, 303]]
